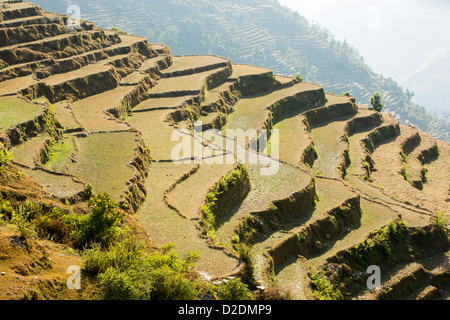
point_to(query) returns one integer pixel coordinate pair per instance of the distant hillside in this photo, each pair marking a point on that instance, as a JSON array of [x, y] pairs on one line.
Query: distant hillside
[[259, 32], [397, 39]]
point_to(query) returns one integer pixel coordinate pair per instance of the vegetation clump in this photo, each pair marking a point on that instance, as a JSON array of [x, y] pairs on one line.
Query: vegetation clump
[[376, 103], [223, 196], [101, 225], [127, 271], [379, 244], [234, 290], [396, 243], [6, 158], [115, 29]]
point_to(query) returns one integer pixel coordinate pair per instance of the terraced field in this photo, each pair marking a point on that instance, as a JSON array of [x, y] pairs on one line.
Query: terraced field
[[114, 113], [261, 32]]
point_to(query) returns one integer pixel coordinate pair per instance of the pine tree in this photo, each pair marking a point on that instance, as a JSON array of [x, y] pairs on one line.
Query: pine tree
[[376, 103]]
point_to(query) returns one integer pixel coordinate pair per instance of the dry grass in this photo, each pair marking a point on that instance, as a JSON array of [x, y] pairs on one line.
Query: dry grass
[[15, 111], [103, 160]]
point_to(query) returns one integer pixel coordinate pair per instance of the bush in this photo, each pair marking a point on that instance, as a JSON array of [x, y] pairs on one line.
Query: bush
[[117, 286], [247, 256], [120, 256], [299, 77], [440, 226], [5, 158], [52, 226], [128, 272], [218, 200], [376, 103], [324, 289], [234, 290], [101, 225], [115, 29], [379, 244]]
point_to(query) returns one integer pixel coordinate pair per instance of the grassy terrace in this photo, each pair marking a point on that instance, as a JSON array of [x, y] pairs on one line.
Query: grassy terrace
[[60, 154], [184, 85], [193, 64], [252, 112], [15, 111], [152, 62], [28, 156], [356, 150], [90, 111], [15, 85], [103, 160], [438, 176], [61, 46], [388, 156], [165, 225], [329, 142], [330, 147], [154, 104], [264, 190], [214, 95], [296, 141], [76, 74], [242, 70], [292, 272], [60, 186], [150, 119], [27, 153], [414, 166], [77, 60], [65, 115], [189, 196], [294, 138]]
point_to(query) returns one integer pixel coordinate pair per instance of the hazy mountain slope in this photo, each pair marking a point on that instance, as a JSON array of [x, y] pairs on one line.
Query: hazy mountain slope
[[397, 39], [259, 32]]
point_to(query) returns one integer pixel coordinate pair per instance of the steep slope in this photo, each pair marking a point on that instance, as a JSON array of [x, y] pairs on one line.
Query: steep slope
[[97, 111]]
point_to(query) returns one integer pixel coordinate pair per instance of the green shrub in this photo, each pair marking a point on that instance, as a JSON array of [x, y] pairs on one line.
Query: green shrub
[[379, 244], [52, 225], [299, 77], [116, 285], [247, 256], [164, 283], [234, 290], [120, 256], [128, 272], [235, 239], [324, 289], [376, 103], [423, 174], [24, 217], [440, 225], [6, 158], [213, 206], [26, 229], [404, 173], [101, 225], [115, 29]]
